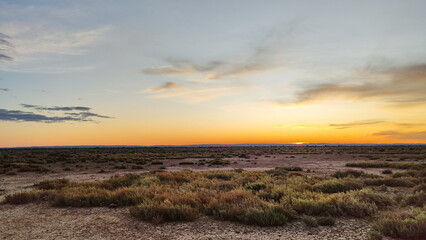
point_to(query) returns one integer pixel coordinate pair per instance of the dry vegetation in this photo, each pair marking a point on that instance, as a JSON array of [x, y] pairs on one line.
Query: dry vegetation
[[269, 198], [393, 201], [13, 161]]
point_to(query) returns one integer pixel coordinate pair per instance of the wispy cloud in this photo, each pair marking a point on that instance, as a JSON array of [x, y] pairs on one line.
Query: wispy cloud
[[403, 86], [55, 41], [164, 87], [194, 93], [356, 124], [56, 108], [179, 66], [421, 135], [298, 126], [261, 58], [36, 47], [5, 48], [4, 89], [68, 114]]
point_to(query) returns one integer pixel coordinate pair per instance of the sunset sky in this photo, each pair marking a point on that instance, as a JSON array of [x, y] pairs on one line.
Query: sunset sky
[[212, 72]]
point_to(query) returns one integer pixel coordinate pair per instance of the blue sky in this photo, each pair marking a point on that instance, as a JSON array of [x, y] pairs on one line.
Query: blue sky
[[157, 65]]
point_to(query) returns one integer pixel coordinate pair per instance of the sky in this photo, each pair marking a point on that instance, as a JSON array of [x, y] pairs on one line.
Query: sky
[[160, 72]]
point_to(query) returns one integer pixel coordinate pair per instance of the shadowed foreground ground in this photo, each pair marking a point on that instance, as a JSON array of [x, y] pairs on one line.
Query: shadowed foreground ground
[[39, 221]]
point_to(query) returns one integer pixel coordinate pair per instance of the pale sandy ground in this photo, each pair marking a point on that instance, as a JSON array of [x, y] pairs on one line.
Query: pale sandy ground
[[36, 221], [39, 221]]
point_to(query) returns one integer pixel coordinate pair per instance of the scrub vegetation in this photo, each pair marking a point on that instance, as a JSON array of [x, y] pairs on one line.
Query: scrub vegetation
[[392, 200], [262, 198]]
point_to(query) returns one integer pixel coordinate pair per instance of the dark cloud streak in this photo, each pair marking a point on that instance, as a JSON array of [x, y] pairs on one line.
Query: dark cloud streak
[[69, 114], [164, 87], [56, 108], [5, 46], [355, 124]]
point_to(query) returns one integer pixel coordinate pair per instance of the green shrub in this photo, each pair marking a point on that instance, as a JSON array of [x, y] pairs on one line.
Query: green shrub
[[337, 185], [403, 226], [316, 207], [378, 164], [11, 173], [268, 216], [226, 176], [293, 169], [120, 167], [380, 200], [390, 182], [23, 197], [218, 162], [353, 207], [186, 163], [156, 163], [417, 199], [53, 184], [310, 221], [83, 197], [278, 171], [348, 173], [374, 235], [420, 187], [164, 212], [255, 186], [326, 221], [120, 181]]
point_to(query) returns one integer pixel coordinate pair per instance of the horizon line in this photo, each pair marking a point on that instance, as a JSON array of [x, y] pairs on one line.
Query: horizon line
[[216, 145]]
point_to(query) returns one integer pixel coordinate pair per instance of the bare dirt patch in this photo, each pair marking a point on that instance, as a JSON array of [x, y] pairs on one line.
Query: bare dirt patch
[[35, 221]]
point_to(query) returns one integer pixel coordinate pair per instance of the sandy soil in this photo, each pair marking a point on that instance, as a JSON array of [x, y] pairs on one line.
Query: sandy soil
[[42, 222]]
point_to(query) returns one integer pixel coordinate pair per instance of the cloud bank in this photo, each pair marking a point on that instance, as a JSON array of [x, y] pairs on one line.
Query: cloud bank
[[404, 86], [69, 114]]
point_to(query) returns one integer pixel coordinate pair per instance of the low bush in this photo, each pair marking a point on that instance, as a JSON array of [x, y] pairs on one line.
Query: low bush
[[186, 163], [310, 221], [53, 184], [173, 177], [420, 187], [255, 186], [390, 182], [378, 164], [320, 207], [374, 235], [380, 200], [348, 173], [156, 163], [278, 171], [164, 212], [326, 221], [218, 162], [293, 169], [222, 175], [417, 199], [267, 216], [337, 185], [405, 226], [24, 197]]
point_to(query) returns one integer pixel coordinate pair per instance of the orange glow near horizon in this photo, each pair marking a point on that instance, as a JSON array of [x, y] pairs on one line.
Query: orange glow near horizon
[[121, 74]]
